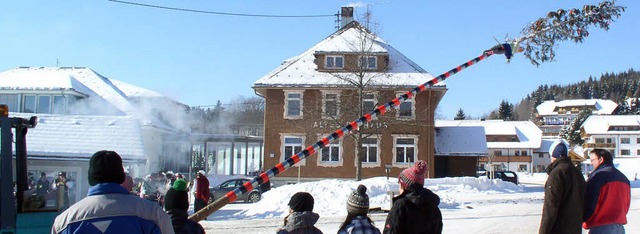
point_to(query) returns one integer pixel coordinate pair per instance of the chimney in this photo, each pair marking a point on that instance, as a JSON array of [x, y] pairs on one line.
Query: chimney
[[346, 16]]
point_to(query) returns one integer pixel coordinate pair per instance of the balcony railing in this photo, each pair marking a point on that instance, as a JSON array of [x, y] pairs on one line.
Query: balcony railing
[[599, 145]]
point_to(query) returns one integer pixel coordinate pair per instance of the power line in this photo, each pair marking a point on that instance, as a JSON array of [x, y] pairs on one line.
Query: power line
[[220, 13]]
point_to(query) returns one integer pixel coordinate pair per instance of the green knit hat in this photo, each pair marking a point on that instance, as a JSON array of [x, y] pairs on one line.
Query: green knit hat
[[180, 185]]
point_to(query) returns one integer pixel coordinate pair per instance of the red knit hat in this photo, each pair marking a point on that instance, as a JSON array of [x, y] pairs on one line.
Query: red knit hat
[[414, 174]]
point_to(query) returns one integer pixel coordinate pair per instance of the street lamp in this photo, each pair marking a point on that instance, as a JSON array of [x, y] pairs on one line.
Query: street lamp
[[387, 169]]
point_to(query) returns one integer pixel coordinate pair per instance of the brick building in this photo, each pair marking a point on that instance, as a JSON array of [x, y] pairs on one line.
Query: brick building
[[334, 82]]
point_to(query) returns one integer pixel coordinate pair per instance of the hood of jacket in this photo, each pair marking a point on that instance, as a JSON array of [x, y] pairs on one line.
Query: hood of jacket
[[558, 161], [299, 220], [420, 196]]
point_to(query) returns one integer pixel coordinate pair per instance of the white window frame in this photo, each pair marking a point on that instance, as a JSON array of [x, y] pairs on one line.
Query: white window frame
[[625, 140], [628, 152], [333, 58], [367, 67], [335, 144], [325, 115], [411, 102], [395, 146], [286, 114], [373, 100], [366, 154], [284, 145], [15, 101]]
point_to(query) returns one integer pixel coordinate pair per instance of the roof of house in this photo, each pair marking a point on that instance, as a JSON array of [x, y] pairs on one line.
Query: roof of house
[[600, 124], [77, 137], [528, 134], [300, 71], [104, 96], [460, 141], [602, 106]]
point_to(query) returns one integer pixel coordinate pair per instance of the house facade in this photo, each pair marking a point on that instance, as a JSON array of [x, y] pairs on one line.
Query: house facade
[[80, 112], [458, 149], [510, 144], [553, 116], [619, 134], [335, 82]]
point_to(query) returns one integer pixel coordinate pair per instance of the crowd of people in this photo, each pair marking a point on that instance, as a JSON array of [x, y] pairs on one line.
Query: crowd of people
[[570, 203]]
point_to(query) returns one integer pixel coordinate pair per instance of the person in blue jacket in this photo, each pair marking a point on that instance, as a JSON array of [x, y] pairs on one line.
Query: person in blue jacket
[[109, 207], [607, 196]]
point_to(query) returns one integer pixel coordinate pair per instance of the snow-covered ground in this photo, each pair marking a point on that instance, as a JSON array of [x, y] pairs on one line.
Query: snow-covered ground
[[468, 204]]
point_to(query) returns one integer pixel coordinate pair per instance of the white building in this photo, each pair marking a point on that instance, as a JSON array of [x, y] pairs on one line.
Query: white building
[[620, 134], [510, 144], [554, 115], [80, 112]]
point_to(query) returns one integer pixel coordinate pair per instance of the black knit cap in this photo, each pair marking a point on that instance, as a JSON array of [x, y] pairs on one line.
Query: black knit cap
[[105, 166], [358, 202], [176, 199], [301, 202]]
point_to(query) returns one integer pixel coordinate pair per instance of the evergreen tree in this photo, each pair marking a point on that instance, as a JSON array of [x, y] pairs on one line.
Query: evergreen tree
[[622, 109], [572, 132], [505, 112], [460, 115]]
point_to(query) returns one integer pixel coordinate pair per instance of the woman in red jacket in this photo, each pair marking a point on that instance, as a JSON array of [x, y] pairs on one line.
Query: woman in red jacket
[[202, 191]]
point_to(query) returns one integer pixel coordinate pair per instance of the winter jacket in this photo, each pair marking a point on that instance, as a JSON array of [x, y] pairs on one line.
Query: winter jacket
[[414, 211], [202, 188], [607, 197], [300, 223], [110, 208], [182, 224], [563, 198], [359, 225]]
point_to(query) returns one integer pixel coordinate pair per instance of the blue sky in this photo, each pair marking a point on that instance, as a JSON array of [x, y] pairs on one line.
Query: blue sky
[[199, 59]]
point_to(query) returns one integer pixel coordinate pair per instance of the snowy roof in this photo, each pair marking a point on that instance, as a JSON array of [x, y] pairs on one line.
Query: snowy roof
[[300, 71], [528, 134], [73, 137], [460, 141], [135, 91], [600, 124], [602, 106], [101, 90]]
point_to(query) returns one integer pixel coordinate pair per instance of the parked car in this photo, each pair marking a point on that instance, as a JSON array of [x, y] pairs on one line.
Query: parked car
[[252, 196], [509, 176]]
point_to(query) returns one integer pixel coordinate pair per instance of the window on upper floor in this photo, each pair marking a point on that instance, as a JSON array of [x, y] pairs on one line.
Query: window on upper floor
[[638, 140], [406, 109], [330, 105], [625, 140], [405, 149], [293, 105], [609, 140], [638, 152], [11, 100], [368, 102], [334, 62], [599, 140], [368, 62], [625, 152], [497, 153]]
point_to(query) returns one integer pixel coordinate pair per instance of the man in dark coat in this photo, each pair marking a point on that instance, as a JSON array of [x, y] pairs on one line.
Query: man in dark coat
[[563, 194], [176, 203], [301, 218], [415, 210], [43, 185]]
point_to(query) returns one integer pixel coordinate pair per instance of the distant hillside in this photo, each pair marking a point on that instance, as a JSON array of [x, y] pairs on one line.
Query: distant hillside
[[617, 87]]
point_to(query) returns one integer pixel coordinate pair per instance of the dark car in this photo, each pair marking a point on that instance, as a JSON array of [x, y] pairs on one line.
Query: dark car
[[229, 185], [509, 176]]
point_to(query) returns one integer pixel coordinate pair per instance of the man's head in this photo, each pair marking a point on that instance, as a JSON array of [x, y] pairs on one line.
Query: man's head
[[43, 174], [104, 167], [599, 156], [301, 202], [559, 149]]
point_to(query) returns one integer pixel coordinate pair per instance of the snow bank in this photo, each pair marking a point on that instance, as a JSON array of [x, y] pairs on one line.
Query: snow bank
[[331, 195]]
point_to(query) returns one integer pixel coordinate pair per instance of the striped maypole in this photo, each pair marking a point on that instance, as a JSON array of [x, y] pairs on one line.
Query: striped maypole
[[339, 133]]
